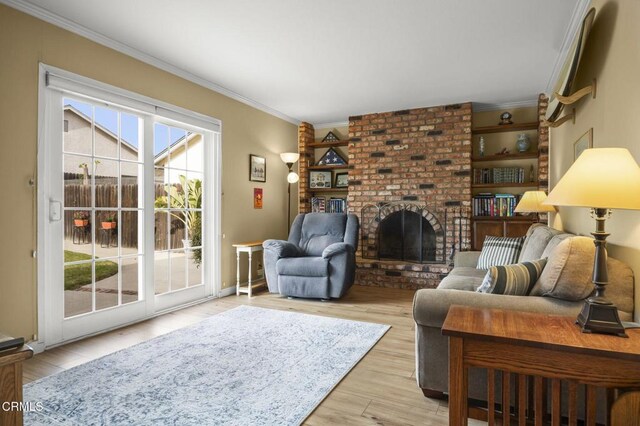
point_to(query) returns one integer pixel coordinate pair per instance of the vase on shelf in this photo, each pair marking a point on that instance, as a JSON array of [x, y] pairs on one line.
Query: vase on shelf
[[481, 148], [523, 144]]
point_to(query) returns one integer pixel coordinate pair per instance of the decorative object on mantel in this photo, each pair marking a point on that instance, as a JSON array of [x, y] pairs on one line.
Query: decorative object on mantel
[[331, 158], [503, 151], [561, 94], [505, 118], [532, 202], [482, 146], [601, 179], [257, 168], [523, 144], [584, 142], [290, 158], [331, 137]]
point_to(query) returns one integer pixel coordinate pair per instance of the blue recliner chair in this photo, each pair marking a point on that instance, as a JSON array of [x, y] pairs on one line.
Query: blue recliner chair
[[318, 261]]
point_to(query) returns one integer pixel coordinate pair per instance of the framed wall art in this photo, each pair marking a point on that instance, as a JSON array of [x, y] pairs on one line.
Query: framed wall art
[[584, 142], [257, 168]]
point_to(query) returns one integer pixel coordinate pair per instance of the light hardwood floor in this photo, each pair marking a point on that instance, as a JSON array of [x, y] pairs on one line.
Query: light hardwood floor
[[380, 390]]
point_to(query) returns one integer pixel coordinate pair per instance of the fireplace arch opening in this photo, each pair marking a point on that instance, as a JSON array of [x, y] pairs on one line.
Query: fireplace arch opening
[[408, 236]]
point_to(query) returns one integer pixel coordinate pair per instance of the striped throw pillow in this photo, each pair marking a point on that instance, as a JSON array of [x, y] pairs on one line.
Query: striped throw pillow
[[515, 280], [498, 251]]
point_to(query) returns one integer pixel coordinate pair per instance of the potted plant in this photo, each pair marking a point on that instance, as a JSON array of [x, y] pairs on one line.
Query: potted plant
[[110, 222], [81, 219], [187, 196]]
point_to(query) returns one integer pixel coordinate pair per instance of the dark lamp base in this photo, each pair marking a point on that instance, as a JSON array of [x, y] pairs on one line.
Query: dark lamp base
[[599, 316]]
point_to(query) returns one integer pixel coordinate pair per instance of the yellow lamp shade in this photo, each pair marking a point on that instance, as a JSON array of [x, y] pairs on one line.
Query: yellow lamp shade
[[531, 202], [606, 178], [289, 157]]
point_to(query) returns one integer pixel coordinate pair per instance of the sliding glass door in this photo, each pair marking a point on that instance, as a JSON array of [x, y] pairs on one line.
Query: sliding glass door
[[125, 204]]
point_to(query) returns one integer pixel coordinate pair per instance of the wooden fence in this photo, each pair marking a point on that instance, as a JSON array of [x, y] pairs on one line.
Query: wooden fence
[[79, 195]]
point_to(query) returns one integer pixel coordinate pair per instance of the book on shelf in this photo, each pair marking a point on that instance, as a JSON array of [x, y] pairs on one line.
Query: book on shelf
[[318, 204], [337, 205], [499, 175], [495, 205]]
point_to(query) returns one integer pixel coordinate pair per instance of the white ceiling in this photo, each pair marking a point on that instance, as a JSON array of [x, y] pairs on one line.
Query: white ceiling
[[324, 60]]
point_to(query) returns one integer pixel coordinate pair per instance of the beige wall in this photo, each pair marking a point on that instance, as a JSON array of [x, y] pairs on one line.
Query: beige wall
[[24, 42], [612, 56]]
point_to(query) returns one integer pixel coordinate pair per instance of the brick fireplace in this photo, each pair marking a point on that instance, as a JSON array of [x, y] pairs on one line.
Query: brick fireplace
[[416, 161]]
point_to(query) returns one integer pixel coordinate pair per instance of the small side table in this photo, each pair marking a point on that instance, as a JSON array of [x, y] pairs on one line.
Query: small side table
[[11, 375], [538, 348], [248, 248]]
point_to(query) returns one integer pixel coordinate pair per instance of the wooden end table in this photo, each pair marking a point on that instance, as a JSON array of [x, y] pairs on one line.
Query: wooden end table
[[249, 248], [535, 348], [11, 383]]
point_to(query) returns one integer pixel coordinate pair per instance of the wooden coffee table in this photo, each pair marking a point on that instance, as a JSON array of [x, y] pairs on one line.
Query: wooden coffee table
[[536, 348]]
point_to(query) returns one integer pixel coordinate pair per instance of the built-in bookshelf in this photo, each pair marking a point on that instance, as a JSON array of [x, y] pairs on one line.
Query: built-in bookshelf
[[328, 194], [501, 173]]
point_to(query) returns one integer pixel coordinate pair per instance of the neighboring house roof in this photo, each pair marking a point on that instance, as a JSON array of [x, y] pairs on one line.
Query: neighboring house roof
[[158, 158], [174, 146], [99, 126]]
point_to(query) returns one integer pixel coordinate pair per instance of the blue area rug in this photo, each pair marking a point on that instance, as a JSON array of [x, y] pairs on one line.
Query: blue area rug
[[246, 366]]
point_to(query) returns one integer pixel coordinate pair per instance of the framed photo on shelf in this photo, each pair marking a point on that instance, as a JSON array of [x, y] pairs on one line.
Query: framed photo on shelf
[[584, 142], [257, 168], [342, 180], [319, 179]]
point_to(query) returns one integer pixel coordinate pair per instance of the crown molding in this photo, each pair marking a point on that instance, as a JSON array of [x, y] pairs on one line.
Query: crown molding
[[52, 18], [479, 106], [574, 25], [331, 125]]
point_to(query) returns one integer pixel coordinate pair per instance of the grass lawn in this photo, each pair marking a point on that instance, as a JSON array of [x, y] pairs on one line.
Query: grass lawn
[[78, 275]]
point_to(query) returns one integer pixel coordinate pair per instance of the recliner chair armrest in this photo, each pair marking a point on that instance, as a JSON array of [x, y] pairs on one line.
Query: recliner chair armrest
[[337, 248], [430, 306], [283, 248]]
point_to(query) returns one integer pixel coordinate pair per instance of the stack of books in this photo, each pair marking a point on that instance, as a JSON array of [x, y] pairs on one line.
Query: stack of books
[[499, 175], [335, 205], [498, 205]]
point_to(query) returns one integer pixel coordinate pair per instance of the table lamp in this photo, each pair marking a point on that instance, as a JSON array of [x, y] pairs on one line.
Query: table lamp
[[532, 202], [601, 179], [290, 158]]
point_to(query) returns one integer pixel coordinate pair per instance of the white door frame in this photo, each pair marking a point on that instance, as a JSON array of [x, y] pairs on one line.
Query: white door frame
[[149, 305]]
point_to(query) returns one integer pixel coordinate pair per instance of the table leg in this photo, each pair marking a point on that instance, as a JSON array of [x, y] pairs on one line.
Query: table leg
[[249, 283], [458, 383], [237, 272]]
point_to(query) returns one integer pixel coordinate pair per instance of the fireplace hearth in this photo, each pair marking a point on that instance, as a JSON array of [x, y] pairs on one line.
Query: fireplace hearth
[[412, 233], [406, 235]]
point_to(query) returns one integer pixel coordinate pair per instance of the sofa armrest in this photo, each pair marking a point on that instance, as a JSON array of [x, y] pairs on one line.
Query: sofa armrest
[[466, 258], [430, 306], [336, 248], [282, 248]]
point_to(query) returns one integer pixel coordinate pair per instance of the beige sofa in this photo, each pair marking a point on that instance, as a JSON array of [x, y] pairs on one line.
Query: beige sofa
[[430, 306]]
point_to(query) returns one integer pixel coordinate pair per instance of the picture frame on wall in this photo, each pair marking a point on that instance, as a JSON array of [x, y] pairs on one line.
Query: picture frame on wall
[[342, 180], [319, 179], [257, 168], [584, 142], [257, 198]]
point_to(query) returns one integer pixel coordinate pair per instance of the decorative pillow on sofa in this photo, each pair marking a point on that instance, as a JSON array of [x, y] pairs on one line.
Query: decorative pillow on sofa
[[515, 280], [568, 272], [498, 251]]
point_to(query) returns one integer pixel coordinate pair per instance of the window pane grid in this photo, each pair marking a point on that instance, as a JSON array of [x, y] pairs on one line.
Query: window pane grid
[[100, 171]]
